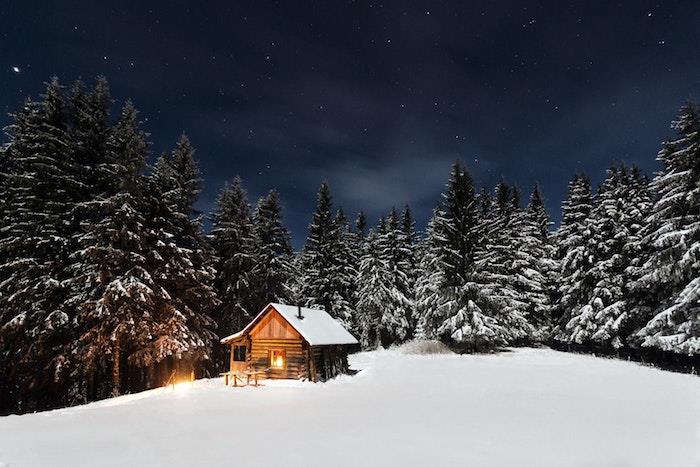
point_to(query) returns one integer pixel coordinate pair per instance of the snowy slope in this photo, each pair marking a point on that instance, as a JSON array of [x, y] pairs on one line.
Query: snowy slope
[[527, 408]]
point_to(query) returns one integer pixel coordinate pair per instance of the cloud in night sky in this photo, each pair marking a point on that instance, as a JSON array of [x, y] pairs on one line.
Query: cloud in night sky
[[376, 98]]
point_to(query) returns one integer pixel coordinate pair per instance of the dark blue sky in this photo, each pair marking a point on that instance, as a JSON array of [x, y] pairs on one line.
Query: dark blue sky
[[376, 98]]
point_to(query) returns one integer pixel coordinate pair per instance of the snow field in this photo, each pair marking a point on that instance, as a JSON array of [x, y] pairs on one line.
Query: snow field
[[527, 407]]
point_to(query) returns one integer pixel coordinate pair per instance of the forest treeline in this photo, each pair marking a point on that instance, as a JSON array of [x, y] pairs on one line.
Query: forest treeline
[[109, 284]]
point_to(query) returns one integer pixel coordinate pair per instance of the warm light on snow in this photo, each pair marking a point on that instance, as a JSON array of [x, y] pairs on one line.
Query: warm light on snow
[[182, 386]]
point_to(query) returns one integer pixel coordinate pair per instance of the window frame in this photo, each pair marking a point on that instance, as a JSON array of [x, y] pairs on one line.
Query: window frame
[[245, 353], [271, 356]]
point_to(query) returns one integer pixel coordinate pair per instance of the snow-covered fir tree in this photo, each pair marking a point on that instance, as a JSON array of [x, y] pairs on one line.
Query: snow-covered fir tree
[[234, 250], [115, 295], [458, 310], [37, 188], [273, 267], [533, 265], [428, 282], [620, 205], [573, 244], [328, 274], [395, 253], [373, 293], [496, 272], [668, 280], [186, 330], [410, 263]]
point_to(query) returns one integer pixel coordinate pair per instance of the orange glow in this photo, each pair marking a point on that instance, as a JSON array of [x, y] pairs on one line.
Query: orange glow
[[279, 362], [182, 386]]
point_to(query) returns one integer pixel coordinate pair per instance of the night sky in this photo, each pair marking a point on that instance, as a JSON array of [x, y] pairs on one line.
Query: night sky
[[379, 99]]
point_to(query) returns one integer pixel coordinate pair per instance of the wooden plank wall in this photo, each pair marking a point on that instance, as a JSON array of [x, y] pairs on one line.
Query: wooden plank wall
[[273, 326], [296, 357]]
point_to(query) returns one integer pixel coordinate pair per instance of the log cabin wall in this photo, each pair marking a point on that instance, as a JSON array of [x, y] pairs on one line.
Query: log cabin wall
[[328, 362], [274, 333]]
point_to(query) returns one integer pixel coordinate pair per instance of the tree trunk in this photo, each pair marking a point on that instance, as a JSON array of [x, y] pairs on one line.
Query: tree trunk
[[116, 368]]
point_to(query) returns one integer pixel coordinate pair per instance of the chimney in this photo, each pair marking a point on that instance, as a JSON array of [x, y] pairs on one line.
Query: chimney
[[299, 315]]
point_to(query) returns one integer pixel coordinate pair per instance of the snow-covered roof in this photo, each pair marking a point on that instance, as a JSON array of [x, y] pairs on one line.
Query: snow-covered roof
[[317, 327]]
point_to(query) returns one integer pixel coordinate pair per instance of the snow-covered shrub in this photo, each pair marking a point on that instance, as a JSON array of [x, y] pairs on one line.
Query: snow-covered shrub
[[424, 347]]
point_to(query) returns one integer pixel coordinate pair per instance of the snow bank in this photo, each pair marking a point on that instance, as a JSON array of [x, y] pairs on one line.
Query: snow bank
[[423, 347], [526, 407]]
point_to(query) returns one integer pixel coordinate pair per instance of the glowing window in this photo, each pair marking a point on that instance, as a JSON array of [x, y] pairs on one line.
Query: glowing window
[[277, 359]]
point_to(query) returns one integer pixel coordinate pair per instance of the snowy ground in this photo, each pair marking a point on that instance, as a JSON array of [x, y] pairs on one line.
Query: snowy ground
[[529, 407]]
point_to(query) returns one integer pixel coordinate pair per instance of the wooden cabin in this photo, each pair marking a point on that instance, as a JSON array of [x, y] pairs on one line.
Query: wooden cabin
[[291, 342]]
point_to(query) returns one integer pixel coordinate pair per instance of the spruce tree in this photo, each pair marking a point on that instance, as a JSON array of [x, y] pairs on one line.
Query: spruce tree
[[234, 249], [459, 310], [373, 294], [669, 278], [534, 267], [395, 254], [409, 263], [273, 269], [498, 274], [114, 292], [326, 263], [37, 183], [623, 220], [573, 251], [184, 270]]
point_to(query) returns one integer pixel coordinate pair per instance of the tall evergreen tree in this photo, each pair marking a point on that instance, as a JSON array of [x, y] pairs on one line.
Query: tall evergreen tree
[[327, 274], [395, 254], [573, 251], [184, 269], [273, 268], [459, 310], [234, 248], [36, 184], [669, 278], [114, 292], [373, 293], [538, 211], [498, 273]]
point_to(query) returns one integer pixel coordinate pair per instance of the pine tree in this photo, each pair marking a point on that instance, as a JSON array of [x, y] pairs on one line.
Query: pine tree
[[499, 274], [534, 267], [617, 227], [428, 283], [373, 293], [273, 268], [395, 254], [33, 245], [669, 278], [115, 294], [573, 251], [184, 269], [234, 247], [458, 309], [327, 272], [602, 227], [345, 271], [409, 263], [538, 211]]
